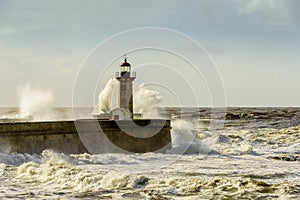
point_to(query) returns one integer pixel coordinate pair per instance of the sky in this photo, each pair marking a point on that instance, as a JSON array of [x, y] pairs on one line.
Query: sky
[[254, 43]]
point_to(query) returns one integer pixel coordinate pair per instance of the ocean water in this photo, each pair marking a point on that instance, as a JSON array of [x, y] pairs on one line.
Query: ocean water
[[237, 153]]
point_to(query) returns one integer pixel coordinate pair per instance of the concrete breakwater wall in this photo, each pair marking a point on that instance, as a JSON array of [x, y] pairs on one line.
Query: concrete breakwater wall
[[34, 137], [62, 136]]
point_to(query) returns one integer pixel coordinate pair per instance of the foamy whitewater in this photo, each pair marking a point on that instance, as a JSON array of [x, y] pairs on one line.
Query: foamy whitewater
[[255, 156]]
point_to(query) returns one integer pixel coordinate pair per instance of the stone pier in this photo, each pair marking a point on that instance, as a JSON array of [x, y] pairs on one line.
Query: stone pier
[[62, 136]]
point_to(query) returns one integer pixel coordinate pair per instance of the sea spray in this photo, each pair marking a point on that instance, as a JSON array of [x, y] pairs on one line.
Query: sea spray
[[185, 140], [36, 104], [105, 96], [144, 100]]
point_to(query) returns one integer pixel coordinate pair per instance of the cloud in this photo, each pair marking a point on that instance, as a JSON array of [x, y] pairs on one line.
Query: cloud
[[7, 30], [270, 12]]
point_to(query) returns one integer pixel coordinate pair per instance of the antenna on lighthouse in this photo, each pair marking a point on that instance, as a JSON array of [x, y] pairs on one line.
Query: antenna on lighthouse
[[125, 56]]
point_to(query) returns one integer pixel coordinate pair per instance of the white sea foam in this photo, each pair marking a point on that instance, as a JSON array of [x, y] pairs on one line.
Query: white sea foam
[[59, 175], [122, 181], [58, 169]]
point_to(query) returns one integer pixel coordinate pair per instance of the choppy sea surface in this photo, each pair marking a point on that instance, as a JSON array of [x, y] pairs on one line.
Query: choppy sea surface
[[237, 153]]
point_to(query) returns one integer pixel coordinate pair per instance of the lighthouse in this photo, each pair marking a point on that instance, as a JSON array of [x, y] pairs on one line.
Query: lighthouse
[[125, 78]]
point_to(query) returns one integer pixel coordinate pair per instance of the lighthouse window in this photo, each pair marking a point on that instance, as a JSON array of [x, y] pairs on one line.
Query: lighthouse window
[[125, 69]]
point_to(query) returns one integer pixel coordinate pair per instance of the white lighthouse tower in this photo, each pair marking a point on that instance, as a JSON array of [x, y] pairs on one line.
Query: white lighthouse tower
[[125, 78]]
